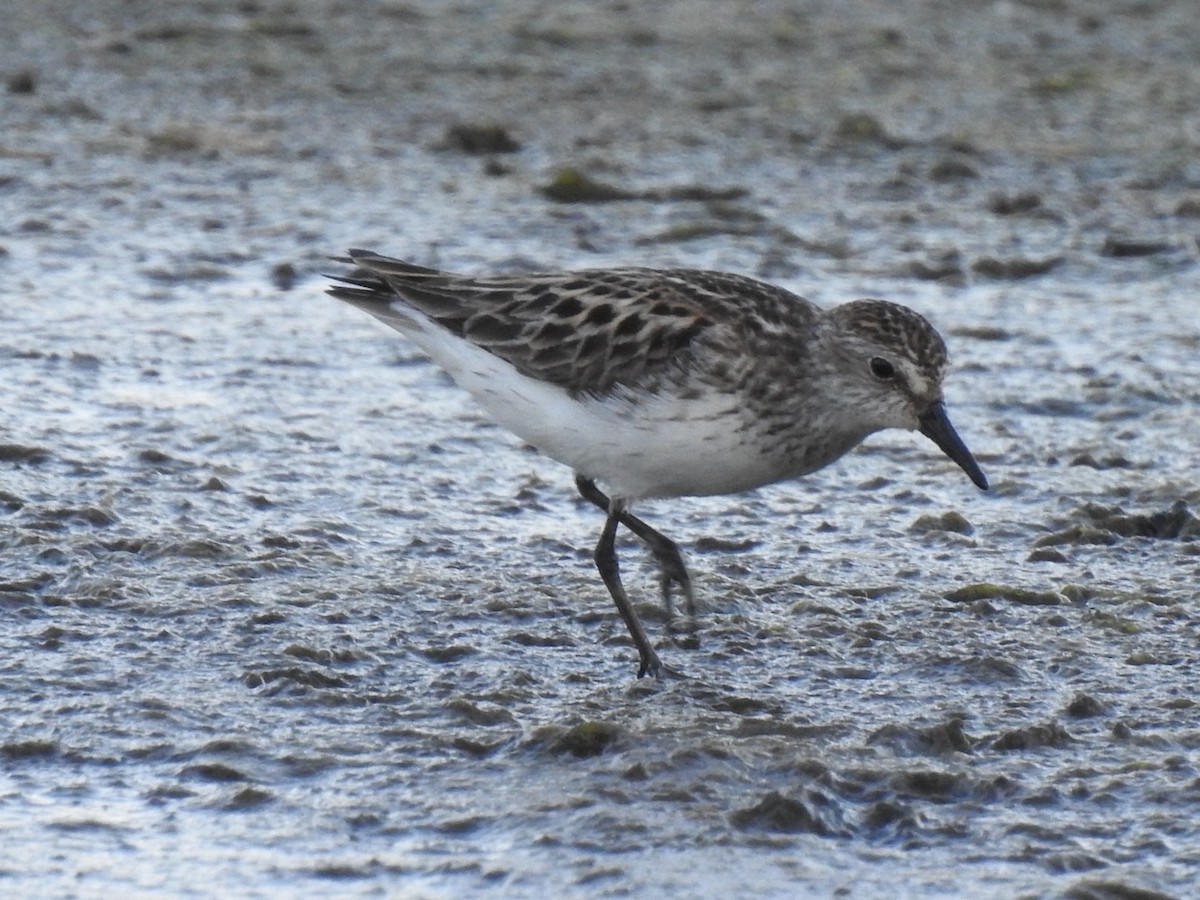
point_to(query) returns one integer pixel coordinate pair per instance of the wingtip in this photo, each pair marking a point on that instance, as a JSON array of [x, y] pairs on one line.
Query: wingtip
[[352, 256]]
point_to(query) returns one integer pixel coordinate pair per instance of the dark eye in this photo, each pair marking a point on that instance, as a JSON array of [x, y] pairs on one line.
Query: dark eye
[[882, 369]]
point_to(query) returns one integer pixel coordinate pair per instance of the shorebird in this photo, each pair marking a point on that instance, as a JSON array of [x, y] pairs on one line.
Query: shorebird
[[667, 382]]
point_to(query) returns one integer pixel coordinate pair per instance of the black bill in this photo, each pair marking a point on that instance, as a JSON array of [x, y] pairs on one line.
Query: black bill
[[935, 425]]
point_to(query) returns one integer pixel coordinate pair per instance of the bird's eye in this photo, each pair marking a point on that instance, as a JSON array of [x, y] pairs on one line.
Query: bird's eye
[[882, 369]]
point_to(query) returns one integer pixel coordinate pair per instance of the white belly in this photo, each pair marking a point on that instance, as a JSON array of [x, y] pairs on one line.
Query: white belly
[[635, 445]]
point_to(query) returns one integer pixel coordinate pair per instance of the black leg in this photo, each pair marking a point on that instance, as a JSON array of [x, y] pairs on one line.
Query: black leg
[[665, 550], [606, 562]]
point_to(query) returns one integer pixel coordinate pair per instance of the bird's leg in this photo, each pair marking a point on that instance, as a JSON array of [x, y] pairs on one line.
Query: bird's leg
[[665, 550], [606, 562]]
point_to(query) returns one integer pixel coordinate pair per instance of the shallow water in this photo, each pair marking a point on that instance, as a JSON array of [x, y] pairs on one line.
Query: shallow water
[[288, 616]]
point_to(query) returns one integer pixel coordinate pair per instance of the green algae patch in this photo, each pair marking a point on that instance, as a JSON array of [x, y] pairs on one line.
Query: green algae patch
[[1076, 535], [787, 815], [972, 593], [1067, 82], [573, 186], [480, 139], [1107, 525], [1085, 706], [1046, 554], [1146, 658], [1174, 523], [694, 231], [1015, 268], [589, 738], [584, 740], [864, 130], [1112, 622], [31, 749], [1034, 737], [930, 784], [954, 522], [249, 798]]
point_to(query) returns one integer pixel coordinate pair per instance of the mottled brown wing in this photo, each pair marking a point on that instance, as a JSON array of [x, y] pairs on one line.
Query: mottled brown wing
[[587, 331]]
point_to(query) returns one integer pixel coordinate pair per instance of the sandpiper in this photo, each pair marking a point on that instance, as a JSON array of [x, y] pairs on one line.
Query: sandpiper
[[667, 382]]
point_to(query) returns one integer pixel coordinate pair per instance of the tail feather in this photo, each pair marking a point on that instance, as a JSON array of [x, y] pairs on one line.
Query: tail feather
[[384, 287], [388, 265]]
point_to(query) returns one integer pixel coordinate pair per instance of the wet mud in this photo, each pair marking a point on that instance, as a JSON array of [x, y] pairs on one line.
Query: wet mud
[[286, 615]]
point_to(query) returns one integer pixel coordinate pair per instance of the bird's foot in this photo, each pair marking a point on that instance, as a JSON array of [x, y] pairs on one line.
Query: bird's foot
[[657, 669]]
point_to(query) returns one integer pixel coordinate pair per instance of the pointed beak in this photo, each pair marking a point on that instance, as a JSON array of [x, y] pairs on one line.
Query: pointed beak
[[935, 425]]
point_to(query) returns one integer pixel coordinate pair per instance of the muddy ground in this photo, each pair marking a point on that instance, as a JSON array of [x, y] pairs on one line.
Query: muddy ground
[[285, 615]]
